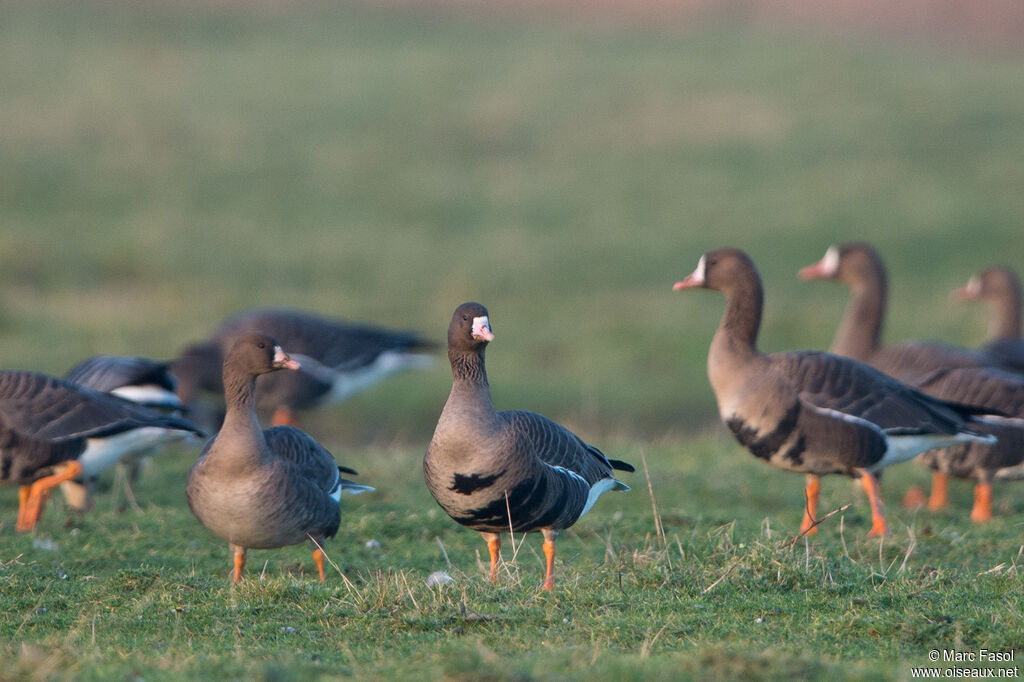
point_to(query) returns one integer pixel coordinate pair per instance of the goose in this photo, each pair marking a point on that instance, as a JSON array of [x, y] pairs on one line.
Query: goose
[[999, 286], [142, 380], [53, 431], [509, 471], [264, 488], [338, 358], [858, 266], [808, 411], [970, 378]]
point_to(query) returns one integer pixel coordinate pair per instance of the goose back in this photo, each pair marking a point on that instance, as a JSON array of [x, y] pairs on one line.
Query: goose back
[[346, 357], [45, 421]]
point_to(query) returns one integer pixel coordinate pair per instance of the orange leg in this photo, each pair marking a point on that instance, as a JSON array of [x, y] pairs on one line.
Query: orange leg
[[494, 547], [549, 554], [318, 559], [239, 556], [283, 416], [982, 510], [39, 492], [811, 510], [940, 491], [870, 485], [23, 492]]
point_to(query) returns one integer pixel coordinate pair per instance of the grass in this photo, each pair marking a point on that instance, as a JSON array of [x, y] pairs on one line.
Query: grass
[[162, 165], [721, 592]]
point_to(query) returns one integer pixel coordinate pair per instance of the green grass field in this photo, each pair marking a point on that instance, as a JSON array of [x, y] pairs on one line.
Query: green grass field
[[714, 589], [165, 164]]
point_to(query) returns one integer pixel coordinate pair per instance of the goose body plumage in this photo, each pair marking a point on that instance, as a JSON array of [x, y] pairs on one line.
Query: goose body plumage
[[338, 358], [52, 430], [496, 471], [141, 380], [264, 489]]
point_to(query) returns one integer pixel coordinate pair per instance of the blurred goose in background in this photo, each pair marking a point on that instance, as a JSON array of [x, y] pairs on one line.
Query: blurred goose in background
[[338, 359], [264, 488], [969, 378], [142, 380], [859, 267], [999, 286], [808, 411], [517, 471], [53, 431]]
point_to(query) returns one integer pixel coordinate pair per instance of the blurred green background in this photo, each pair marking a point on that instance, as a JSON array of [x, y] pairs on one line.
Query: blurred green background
[[164, 164]]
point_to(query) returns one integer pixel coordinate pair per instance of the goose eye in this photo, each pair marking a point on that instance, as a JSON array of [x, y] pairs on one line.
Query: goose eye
[[262, 345]]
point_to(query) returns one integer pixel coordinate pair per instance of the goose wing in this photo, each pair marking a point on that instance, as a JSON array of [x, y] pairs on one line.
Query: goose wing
[[45, 408], [308, 458], [107, 372], [992, 390], [838, 384], [339, 344], [559, 447]]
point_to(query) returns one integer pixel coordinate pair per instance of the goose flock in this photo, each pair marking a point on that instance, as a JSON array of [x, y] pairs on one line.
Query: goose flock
[[855, 410]]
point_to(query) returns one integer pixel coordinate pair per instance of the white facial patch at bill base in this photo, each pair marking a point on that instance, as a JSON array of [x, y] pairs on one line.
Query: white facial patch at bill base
[[830, 263], [973, 287], [482, 329], [698, 274]]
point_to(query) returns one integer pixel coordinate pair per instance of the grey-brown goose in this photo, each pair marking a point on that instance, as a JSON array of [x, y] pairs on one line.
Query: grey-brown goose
[[999, 286], [808, 411], [512, 470], [142, 380], [52, 431], [264, 489], [859, 267], [339, 358], [968, 377]]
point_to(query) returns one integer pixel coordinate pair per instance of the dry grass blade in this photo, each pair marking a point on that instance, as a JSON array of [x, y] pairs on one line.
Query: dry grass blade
[[659, 529], [817, 522], [444, 552], [344, 578], [725, 575], [994, 569], [910, 548]]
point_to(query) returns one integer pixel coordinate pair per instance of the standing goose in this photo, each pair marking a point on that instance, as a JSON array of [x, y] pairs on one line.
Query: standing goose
[[264, 489], [809, 411], [512, 470], [338, 358], [967, 377], [1000, 288], [53, 431], [142, 380], [858, 266]]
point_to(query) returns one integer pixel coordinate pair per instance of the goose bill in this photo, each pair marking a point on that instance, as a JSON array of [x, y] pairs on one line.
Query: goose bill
[[282, 361], [482, 329], [826, 268], [694, 279]]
